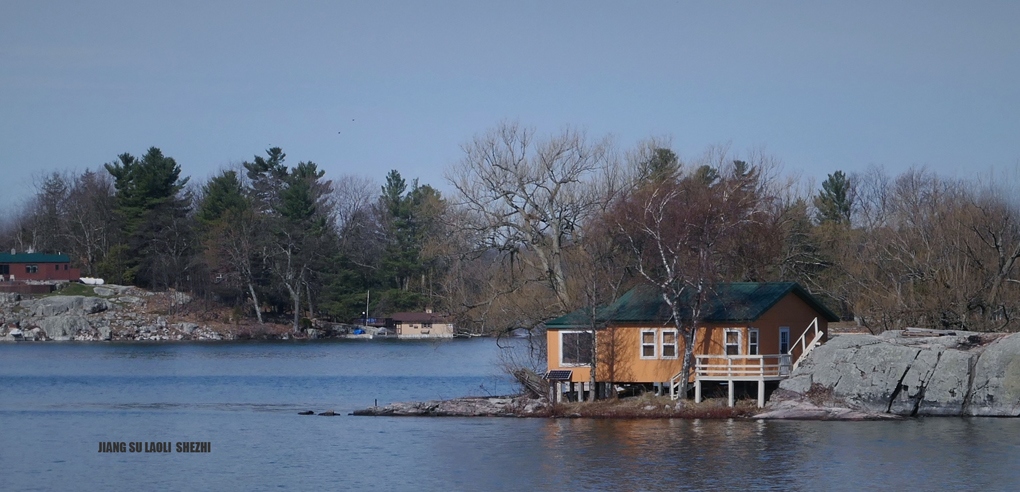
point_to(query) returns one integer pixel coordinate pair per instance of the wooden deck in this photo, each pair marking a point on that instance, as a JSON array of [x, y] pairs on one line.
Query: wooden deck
[[732, 368], [760, 368], [742, 367]]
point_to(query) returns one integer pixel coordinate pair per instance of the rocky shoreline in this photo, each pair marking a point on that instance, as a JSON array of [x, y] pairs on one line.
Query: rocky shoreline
[[120, 313], [114, 313], [506, 406], [909, 373], [640, 407], [897, 375]]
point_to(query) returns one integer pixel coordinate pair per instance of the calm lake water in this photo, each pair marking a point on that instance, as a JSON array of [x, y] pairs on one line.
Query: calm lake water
[[58, 401]]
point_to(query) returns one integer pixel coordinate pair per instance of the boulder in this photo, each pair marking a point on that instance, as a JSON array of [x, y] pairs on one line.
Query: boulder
[[908, 374], [996, 387], [119, 290], [9, 298], [806, 410], [188, 328], [63, 327], [61, 305], [130, 300], [104, 291]]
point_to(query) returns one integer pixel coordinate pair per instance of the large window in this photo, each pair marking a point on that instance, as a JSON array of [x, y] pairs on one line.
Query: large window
[[575, 348], [752, 341], [732, 342], [669, 344], [31, 268], [647, 344]]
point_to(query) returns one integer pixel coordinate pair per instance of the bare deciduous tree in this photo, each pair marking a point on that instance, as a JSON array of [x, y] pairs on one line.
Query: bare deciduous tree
[[526, 196], [683, 233]]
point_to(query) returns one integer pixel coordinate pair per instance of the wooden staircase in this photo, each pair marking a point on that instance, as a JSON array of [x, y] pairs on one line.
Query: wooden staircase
[[811, 338], [806, 347]]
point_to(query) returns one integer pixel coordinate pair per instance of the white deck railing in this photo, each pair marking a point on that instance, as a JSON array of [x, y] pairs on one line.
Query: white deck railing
[[741, 366], [751, 367]]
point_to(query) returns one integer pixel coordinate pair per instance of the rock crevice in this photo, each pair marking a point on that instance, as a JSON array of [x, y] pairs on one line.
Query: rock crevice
[[947, 373]]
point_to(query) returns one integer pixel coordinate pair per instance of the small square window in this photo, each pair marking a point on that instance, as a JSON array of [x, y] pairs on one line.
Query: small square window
[[576, 348], [732, 342], [648, 344], [669, 344]]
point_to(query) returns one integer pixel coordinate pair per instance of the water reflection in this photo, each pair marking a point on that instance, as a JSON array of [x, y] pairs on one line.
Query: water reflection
[[768, 455], [246, 403]]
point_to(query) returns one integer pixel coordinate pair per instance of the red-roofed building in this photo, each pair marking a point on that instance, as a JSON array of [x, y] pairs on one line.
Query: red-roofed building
[[422, 324]]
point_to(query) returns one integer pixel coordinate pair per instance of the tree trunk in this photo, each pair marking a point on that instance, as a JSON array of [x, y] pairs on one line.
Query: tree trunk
[[690, 336], [255, 302], [295, 297], [311, 307]]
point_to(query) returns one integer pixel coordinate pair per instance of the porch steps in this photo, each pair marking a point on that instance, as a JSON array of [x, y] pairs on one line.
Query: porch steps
[[807, 347]]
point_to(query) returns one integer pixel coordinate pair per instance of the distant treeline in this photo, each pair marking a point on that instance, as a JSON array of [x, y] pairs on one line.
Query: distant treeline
[[536, 226]]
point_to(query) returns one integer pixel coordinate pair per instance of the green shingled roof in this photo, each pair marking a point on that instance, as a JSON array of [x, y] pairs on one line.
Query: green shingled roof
[[728, 302], [33, 258]]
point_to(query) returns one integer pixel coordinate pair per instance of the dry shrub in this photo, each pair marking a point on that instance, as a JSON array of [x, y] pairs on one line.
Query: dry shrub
[[255, 331], [820, 395]]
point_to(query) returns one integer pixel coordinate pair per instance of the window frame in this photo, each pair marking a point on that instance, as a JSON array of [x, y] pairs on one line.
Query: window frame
[[727, 344], [574, 332], [675, 344], [753, 334], [653, 344], [784, 330]]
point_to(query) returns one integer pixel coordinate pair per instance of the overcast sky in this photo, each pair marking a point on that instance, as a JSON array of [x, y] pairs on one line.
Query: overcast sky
[[361, 88]]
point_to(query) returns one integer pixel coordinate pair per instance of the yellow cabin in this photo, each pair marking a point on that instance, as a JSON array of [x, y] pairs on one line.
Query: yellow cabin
[[747, 332]]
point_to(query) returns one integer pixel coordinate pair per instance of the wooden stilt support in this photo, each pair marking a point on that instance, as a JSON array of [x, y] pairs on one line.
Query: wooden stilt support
[[761, 393], [697, 391], [731, 391]]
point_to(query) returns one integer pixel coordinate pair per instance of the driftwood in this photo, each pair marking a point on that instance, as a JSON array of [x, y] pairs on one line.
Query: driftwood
[[536, 386]]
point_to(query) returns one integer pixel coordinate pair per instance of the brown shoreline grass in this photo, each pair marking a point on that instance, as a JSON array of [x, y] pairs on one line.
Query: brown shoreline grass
[[652, 407]]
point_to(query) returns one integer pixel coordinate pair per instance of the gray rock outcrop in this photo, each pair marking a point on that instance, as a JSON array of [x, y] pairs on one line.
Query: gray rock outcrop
[[103, 291], [63, 327], [61, 305], [907, 374], [124, 314]]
